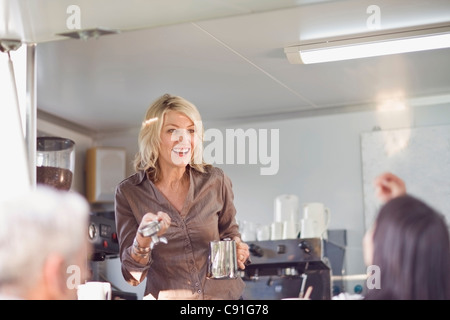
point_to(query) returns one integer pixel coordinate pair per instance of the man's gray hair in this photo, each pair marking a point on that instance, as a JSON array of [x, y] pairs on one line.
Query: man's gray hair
[[33, 225]]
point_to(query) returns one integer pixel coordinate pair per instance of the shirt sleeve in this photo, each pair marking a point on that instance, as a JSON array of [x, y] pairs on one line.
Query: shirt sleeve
[[133, 272]]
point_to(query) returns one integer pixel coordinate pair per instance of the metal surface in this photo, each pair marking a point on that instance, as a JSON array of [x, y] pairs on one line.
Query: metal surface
[[7, 45], [276, 287], [284, 268], [222, 260], [102, 235], [151, 230], [88, 33], [31, 111]]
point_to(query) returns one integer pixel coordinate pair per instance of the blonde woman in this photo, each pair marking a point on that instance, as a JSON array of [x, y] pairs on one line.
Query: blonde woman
[[192, 201]]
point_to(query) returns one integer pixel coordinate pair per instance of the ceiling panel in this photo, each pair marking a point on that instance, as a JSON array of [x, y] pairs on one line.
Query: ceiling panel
[[262, 37], [42, 20], [227, 57], [109, 82]]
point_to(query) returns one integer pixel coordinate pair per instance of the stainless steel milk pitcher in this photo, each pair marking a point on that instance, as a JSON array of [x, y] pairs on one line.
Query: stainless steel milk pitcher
[[222, 260]]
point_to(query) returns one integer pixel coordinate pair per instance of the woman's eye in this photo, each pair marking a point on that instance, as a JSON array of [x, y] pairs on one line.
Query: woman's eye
[[192, 131], [171, 130]]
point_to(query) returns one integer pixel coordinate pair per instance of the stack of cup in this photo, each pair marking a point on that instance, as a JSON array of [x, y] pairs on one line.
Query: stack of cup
[[276, 230], [316, 218], [262, 232], [286, 217]]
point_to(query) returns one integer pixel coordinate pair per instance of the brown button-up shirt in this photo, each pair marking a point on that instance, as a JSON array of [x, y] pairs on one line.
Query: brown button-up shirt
[[177, 270]]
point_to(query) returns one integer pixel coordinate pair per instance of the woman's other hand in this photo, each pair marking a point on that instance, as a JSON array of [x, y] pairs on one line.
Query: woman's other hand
[[242, 252], [389, 186]]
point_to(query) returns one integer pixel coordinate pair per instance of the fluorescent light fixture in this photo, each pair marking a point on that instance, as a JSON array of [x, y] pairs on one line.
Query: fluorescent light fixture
[[371, 44]]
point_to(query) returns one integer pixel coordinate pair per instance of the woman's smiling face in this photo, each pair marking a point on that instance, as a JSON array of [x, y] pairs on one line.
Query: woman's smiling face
[[177, 140]]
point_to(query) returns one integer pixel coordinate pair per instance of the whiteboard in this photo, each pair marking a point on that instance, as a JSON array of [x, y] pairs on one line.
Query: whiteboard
[[420, 156]]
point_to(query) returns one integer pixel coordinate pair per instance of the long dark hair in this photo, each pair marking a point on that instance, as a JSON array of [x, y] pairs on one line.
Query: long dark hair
[[412, 250]]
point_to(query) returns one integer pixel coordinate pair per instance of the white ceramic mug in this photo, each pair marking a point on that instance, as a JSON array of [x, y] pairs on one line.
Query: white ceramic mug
[[286, 208], [262, 232], [290, 230], [94, 290], [248, 231], [276, 231], [320, 215], [309, 229]]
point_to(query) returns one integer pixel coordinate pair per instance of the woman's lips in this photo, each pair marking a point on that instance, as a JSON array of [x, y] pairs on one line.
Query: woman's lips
[[182, 151]]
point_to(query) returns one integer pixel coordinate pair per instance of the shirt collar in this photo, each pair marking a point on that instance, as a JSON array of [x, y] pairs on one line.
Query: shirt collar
[[141, 175]]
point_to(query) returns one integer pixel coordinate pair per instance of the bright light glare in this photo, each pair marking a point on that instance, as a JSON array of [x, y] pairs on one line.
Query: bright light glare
[[147, 122], [375, 49]]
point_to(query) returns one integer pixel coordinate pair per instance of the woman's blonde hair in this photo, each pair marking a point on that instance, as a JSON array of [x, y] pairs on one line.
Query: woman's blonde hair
[[149, 136]]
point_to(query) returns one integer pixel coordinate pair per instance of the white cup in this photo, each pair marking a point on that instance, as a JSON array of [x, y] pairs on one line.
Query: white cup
[[263, 233], [276, 231], [248, 231], [290, 230], [286, 208], [317, 212], [94, 290], [309, 229]]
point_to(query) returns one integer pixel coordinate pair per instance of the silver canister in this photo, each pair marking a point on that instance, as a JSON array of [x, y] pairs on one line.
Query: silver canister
[[222, 260]]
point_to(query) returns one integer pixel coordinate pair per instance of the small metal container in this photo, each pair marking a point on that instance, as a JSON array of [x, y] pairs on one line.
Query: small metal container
[[222, 260]]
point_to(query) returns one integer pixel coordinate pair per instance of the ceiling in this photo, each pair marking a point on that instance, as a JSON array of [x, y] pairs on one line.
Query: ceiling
[[227, 57]]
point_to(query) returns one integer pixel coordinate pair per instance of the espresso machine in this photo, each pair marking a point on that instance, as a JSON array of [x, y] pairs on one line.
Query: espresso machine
[[286, 268]]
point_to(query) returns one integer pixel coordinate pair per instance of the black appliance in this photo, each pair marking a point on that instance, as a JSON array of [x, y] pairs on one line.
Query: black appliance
[[283, 268], [102, 235]]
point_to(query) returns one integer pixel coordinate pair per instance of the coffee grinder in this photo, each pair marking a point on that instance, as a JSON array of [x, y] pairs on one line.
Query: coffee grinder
[[55, 162]]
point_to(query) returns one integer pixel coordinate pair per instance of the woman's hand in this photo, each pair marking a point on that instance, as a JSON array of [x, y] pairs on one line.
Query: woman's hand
[[242, 252], [164, 221], [389, 186]]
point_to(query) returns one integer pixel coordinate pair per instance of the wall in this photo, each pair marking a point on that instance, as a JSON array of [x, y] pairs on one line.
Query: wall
[[125, 139]]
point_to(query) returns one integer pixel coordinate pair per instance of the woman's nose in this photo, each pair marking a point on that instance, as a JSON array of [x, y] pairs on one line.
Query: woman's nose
[[184, 136]]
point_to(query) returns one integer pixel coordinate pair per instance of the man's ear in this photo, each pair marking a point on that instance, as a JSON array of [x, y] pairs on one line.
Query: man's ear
[[54, 277]]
